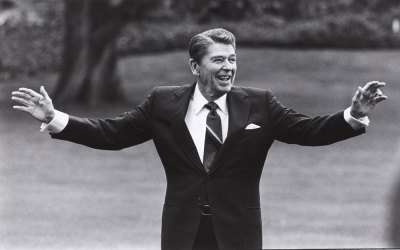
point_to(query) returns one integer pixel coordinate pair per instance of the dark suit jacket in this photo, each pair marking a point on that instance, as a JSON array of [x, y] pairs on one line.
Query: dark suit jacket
[[232, 186]]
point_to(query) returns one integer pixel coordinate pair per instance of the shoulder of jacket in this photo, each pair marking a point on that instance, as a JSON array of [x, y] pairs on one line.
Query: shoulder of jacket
[[164, 89], [171, 89], [252, 91]]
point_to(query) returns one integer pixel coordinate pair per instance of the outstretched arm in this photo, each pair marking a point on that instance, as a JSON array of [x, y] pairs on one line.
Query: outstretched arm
[[292, 127], [128, 129], [38, 105]]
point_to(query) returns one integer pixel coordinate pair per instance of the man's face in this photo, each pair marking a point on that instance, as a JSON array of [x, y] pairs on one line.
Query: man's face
[[217, 70]]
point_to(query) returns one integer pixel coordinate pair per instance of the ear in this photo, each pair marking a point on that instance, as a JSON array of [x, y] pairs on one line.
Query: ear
[[194, 66]]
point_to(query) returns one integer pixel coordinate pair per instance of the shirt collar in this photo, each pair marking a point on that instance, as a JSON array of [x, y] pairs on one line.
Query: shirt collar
[[199, 101]]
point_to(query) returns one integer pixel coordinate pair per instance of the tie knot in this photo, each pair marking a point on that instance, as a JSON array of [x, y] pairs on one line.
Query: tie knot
[[211, 106]]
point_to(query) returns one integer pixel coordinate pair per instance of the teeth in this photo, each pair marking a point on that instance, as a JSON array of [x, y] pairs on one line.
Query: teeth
[[224, 78]]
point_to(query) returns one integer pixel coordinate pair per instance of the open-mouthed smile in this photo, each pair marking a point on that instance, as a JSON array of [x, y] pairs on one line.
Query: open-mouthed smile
[[224, 78]]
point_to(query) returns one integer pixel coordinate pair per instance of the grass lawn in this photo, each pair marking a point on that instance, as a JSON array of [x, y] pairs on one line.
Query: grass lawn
[[58, 195]]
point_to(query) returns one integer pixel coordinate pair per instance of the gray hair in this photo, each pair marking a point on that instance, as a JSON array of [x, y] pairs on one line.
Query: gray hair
[[199, 43]]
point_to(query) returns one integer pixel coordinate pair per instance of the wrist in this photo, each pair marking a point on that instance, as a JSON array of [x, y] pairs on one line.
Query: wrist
[[49, 117], [356, 114]]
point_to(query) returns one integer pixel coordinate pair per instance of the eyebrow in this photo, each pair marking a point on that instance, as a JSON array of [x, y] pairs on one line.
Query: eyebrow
[[218, 56]]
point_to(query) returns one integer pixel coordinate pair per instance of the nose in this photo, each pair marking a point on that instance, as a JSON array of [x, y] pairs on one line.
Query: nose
[[227, 65]]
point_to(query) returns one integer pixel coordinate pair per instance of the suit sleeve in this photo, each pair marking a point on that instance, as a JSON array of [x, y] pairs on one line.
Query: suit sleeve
[[295, 128], [128, 129]]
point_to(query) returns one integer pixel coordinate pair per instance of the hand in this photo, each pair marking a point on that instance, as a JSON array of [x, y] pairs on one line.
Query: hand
[[366, 98], [39, 106]]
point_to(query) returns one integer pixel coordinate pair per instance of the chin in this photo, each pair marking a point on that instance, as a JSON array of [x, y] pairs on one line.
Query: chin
[[224, 89]]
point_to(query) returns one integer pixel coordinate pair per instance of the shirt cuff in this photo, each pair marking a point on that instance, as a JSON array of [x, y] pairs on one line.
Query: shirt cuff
[[59, 122], [355, 123]]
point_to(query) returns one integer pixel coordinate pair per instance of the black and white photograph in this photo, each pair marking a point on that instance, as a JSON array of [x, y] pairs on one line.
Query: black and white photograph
[[199, 124]]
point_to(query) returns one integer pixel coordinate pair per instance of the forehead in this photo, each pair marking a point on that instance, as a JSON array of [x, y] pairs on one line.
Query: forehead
[[220, 49]]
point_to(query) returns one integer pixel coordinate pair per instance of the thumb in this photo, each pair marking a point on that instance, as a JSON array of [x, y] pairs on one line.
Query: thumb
[[44, 93]]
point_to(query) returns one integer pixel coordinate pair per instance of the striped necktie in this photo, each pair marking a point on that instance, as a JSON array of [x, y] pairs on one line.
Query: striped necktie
[[213, 140]]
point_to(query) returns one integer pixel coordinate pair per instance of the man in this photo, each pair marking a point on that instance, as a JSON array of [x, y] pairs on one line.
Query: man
[[212, 138]]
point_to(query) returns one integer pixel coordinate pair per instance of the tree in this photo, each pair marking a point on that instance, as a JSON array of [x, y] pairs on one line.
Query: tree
[[88, 72]]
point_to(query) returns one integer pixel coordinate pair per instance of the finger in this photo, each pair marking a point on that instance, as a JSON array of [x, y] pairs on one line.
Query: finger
[[368, 85], [31, 92], [377, 86], [373, 86], [22, 108], [44, 93], [364, 94], [380, 98], [21, 95], [21, 101], [358, 93], [378, 92]]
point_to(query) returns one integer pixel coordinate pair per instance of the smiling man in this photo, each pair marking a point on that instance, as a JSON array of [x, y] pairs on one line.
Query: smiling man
[[212, 138], [214, 63]]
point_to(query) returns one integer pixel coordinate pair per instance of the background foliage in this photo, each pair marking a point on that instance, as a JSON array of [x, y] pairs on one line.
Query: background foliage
[[30, 44]]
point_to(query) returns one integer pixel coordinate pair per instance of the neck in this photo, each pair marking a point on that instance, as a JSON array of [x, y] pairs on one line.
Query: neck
[[209, 94]]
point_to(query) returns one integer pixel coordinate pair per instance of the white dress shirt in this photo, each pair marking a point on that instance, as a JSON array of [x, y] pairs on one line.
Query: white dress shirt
[[196, 118]]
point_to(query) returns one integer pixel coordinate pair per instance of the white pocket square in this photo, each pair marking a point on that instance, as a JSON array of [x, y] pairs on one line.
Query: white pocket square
[[252, 126]]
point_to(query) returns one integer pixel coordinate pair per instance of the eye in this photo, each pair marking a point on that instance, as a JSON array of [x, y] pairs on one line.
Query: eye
[[232, 60], [218, 60]]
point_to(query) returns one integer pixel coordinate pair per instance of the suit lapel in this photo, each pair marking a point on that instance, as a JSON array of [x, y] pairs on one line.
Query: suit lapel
[[239, 110], [181, 132]]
